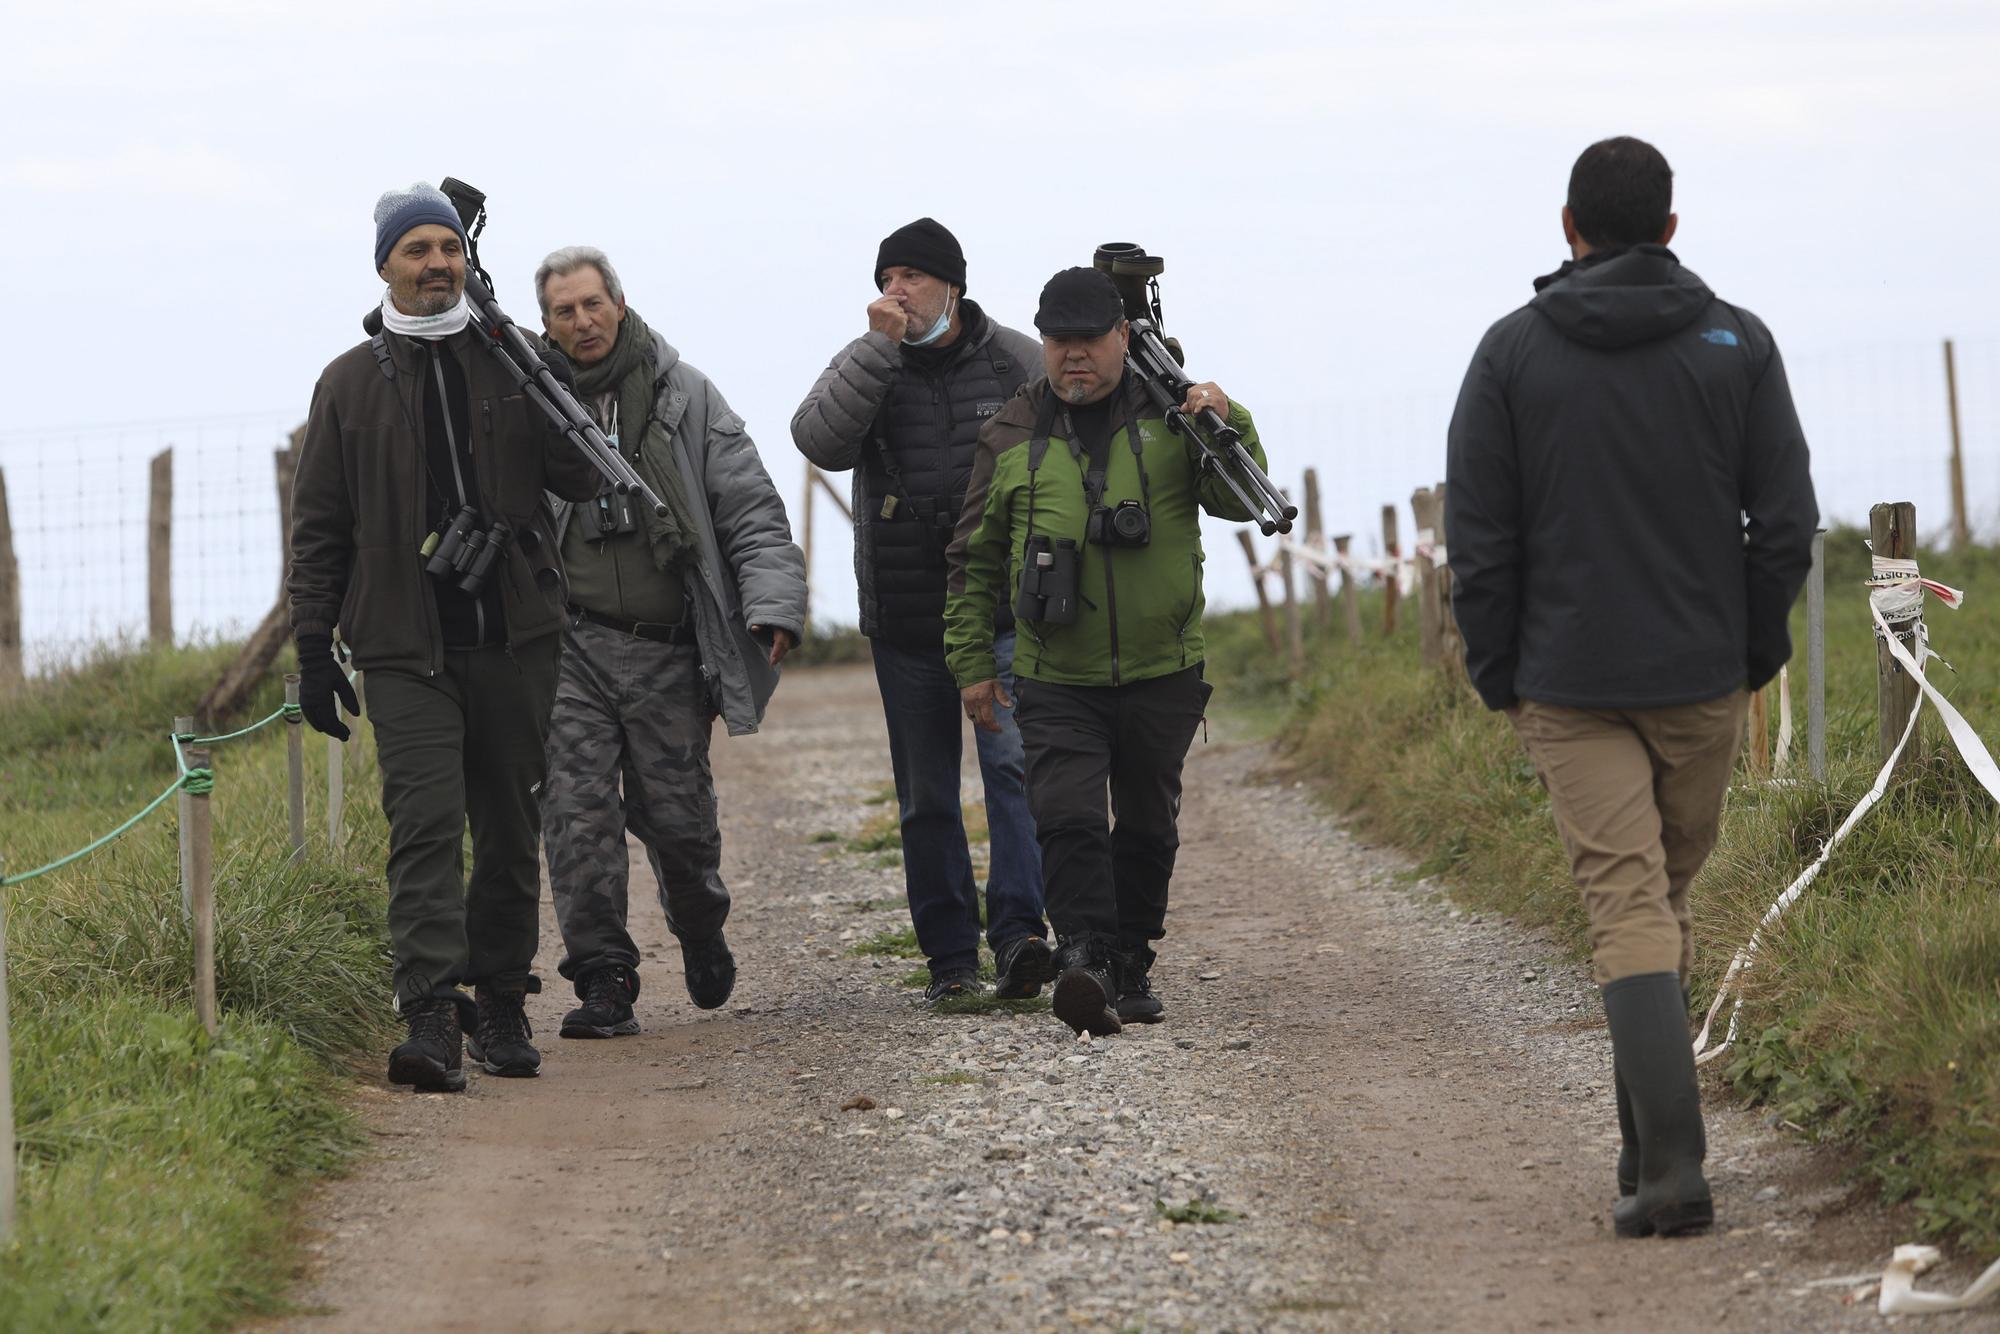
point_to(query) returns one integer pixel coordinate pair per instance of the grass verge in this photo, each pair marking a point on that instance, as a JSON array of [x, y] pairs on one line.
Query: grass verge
[[157, 1164], [1872, 1018]]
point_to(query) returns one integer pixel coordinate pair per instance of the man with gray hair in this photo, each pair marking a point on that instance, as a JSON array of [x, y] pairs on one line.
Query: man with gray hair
[[414, 431], [674, 620]]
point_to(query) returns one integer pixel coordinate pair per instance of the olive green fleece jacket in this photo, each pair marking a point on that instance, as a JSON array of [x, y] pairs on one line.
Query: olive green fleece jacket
[[1140, 607]]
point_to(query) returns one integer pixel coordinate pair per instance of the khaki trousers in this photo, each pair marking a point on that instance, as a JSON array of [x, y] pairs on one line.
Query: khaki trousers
[[1637, 795]]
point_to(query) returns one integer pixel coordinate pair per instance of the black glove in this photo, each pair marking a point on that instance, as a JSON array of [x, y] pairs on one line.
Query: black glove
[[321, 682]]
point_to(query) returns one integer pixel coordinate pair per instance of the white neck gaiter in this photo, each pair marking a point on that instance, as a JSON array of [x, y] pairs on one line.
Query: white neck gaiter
[[425, 326]]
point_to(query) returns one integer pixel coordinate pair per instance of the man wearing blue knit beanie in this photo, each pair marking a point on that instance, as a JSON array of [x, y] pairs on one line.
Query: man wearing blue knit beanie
[[417, 434]]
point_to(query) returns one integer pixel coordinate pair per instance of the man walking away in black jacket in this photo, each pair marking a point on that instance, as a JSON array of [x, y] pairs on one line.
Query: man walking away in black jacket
[[1631, 517]]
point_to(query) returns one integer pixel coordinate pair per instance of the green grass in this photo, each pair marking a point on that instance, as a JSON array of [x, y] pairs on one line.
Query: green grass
[[157, 1164], [895, 943], [1872, 1017], [1194, 1211]]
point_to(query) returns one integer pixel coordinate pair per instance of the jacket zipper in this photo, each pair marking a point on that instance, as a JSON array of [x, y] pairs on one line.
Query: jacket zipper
[[432, 626], [1111, 610], [1193, 593], [458, 477]]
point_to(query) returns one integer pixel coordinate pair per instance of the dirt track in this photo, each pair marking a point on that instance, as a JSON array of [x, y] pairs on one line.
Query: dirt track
[[1405, 1111]]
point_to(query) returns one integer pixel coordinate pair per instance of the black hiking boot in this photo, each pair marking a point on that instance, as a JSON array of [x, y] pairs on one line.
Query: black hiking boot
[[607, 992], [1654, 1058], [1136, 1002], [1086, 988], [952, 984], [710, 970], [1023, 965], [430, 1059], [500, 1043]]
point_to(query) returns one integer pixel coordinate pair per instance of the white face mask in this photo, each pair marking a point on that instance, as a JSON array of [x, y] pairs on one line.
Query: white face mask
[[936, 330]]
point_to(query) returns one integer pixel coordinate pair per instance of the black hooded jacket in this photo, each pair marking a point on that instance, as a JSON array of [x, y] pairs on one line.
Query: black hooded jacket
[[1628, 513]]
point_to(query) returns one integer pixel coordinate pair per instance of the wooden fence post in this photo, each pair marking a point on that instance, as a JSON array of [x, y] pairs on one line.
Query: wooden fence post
[[1757, 735], [295, 766], [1295, 643], [160, 552], [1451, 644], [1391, 550], [1423, 510], [199, 838], [6, 1092], [1263, 598], [1350, 605], [1816, 659], [10, 599], [184, 816], [1316, 539], [1893, 529], [1961, 531]]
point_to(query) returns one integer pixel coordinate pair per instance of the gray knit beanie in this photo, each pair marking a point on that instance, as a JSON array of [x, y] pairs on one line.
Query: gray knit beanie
[[399, 210]]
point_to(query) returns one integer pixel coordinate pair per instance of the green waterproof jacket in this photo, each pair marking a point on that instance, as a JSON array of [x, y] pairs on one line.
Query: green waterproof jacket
[[1140, 607]]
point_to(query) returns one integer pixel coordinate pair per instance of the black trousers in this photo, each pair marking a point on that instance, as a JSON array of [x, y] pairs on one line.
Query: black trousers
[[463, 748], [1107, 878]]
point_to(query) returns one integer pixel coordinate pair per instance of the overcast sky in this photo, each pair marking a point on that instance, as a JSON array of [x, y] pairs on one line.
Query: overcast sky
[[1346, 196]]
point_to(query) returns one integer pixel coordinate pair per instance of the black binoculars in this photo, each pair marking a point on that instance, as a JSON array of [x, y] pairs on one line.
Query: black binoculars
[[467, 552], [1128, 525], [1048, 581]]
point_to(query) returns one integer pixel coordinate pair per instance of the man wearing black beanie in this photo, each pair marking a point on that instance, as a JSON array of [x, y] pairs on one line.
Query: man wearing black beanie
[[902, 406]]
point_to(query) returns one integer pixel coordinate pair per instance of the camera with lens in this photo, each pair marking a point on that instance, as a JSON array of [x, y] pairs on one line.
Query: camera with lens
[[465, 552], [1127, 525], [1048, 581]]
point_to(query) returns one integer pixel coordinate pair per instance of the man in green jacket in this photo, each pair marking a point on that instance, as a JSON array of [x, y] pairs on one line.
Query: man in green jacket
[[411, 431], [1079, 481]]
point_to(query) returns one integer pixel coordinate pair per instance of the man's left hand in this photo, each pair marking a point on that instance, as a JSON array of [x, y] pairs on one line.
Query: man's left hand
[[979, 701], [782, 643], [1206, 395]]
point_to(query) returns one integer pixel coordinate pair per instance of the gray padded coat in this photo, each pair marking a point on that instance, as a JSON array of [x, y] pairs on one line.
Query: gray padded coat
[[751, 572], [925, 409]]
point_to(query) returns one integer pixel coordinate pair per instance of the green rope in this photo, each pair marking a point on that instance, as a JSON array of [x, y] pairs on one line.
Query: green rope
[[199, 782], [284, 711]]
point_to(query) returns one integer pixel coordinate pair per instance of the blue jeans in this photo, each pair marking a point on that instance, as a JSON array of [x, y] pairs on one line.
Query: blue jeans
[[926, 743]]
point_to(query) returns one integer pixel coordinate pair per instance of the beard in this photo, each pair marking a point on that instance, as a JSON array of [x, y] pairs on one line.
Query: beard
[[1077, 393], [425, 301]]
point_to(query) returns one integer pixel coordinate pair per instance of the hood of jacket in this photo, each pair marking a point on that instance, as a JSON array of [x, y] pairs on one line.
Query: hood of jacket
[[1617, 298]]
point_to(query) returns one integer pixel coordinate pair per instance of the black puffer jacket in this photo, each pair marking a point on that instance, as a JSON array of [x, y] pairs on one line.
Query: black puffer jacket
[[1629, 512], [921, 409]]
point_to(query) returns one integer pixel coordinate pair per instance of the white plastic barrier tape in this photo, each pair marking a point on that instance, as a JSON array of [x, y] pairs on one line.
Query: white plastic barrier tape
[[1895, 598], [1895, 593], [1899, 1293]]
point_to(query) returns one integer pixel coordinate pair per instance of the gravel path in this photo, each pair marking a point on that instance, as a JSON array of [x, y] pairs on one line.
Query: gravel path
[[1400, 1116]]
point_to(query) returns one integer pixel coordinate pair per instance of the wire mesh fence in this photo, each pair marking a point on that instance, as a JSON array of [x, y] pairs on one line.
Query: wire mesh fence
[[1878, 420]]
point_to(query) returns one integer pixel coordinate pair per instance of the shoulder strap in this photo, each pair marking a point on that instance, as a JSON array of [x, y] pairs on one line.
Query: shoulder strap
[[379, 345], [1038, 443]]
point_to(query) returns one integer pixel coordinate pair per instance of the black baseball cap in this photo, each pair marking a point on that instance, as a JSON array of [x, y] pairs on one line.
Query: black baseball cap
[[1079, 302]]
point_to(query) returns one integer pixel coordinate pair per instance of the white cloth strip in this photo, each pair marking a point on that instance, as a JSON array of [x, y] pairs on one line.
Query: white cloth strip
[[1899, 1294], [1702, 1053], [1893, 586]]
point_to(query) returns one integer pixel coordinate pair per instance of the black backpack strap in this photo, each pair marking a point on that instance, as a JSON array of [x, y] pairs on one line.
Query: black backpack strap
[[379, 345]]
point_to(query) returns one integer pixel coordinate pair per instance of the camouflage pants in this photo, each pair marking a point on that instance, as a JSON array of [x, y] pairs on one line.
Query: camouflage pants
[[631, 714]]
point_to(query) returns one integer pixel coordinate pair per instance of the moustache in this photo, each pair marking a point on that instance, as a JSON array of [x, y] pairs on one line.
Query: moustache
[[434, 276]]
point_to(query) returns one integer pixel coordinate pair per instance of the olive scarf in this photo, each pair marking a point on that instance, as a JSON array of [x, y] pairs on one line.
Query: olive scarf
[[629, 371]]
